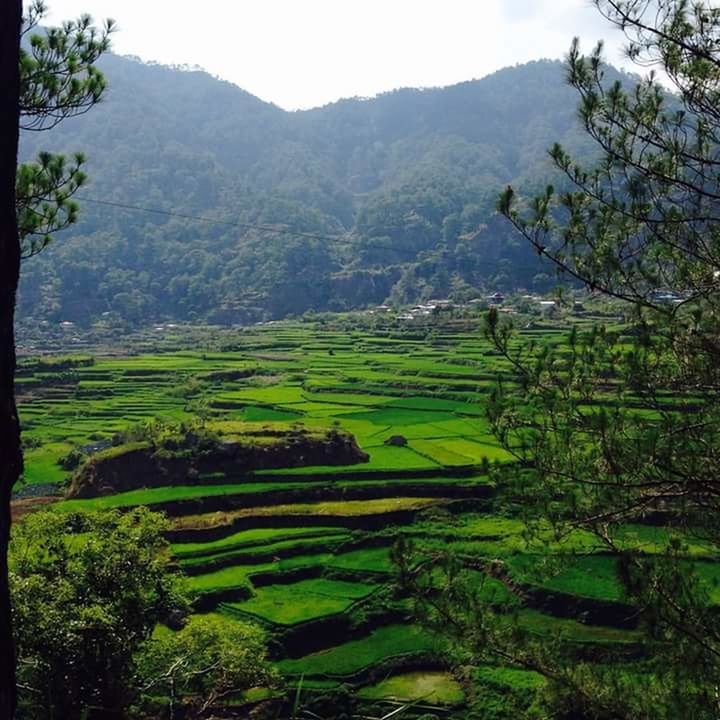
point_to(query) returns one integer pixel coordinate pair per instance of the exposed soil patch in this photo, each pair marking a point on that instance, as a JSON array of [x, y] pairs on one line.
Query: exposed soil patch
[[23, 506]]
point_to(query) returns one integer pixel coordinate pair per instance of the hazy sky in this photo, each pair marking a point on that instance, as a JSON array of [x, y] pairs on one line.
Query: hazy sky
[[304, 53]]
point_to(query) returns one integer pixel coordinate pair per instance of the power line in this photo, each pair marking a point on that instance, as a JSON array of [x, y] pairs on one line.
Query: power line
[[229, 223], [338, 239]]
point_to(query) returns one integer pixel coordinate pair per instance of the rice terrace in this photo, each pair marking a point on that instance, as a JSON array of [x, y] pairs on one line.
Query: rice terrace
[[360, 361], [292, 461]]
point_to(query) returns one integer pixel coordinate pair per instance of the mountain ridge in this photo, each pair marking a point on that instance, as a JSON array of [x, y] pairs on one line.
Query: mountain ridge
[[408, 179]]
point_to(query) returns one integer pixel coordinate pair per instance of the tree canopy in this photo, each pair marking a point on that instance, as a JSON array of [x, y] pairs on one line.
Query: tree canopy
[[59, 79], [400, 188], [88, 590], [620, 425]]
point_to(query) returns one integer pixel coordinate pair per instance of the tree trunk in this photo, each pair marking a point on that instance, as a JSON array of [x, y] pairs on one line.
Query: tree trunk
[[10, 450]]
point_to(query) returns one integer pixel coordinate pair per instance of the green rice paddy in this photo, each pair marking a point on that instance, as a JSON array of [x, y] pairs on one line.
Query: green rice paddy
[[391, 641], [310, 546], [437, 688], [311, 599]]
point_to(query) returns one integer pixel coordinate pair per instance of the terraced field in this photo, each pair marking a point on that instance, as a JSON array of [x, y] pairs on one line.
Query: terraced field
[[305, 551]]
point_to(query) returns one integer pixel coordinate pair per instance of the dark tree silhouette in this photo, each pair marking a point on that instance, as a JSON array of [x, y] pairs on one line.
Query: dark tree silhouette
[[54, 78], [10, 452]]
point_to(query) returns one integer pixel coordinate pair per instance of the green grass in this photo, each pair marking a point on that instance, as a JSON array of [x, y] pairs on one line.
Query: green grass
[[572, 630], [155, 496], [301, 601], [437, 451], [283, 548], [396, 458], [274, 395], [367, 559], [349, 399], [41, 464], [250, 538], [477, 451], [437, 688], [588, 576], [239, 576], [350, 657], [597, 576], [401, 416], [255, 413], [436, 405], [225, 579], [353, 508], [510, 678]]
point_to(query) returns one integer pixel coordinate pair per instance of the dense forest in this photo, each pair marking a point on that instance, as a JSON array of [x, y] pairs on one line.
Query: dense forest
[[399, 189]]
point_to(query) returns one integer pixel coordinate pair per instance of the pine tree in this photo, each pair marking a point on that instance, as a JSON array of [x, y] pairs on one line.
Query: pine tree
[[51, 79], [622, 425], [10, 453]]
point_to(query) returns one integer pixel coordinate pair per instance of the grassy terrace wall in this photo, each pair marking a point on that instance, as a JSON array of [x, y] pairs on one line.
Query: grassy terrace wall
[[303, 547]]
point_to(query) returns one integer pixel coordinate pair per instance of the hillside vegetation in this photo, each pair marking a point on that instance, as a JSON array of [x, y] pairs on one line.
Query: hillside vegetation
[[400, 188]]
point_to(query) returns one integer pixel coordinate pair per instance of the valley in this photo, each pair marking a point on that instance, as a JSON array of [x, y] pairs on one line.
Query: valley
[[306, 543]]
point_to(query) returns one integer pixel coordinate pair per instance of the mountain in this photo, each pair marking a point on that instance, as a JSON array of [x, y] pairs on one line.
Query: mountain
[[395, 194]]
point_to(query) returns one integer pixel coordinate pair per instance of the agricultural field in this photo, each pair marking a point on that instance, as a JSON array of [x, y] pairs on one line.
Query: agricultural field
[[304, 549]]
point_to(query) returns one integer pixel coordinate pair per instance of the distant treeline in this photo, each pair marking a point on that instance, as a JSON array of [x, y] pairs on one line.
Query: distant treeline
[[402, 189]]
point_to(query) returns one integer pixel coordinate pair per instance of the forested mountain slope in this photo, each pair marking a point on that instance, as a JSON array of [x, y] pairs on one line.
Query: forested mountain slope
[[405, 182]]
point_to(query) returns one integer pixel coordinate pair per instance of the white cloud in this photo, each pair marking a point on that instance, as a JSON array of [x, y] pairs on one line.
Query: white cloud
[[302, 53]]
